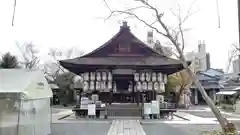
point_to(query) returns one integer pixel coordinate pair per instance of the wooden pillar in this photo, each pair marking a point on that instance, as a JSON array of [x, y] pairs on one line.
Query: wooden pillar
[[106, 111], [195, 96], [133, 93], [214, 95], [153, 95], [143, 101], [80, 96], [111, 97], [138, 97]]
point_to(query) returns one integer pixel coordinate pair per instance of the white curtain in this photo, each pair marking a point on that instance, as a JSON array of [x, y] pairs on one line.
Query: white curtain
[[25, 117], [8, 115]]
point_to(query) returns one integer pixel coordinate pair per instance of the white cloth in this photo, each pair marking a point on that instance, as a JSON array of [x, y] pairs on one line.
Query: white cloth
[[24, 105]]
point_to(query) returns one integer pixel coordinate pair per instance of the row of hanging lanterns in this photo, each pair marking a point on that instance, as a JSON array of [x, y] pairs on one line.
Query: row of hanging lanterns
[[157, 86], [144, 81], [150, 76], [97, 85], [99, 76]]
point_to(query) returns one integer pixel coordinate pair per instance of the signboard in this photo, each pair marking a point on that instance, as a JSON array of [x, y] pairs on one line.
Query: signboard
[[91, 109], [123, 71], [155, 107], [147, 108], [40, 85]]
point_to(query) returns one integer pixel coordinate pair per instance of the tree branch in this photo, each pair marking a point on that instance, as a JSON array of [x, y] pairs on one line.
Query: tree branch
[[226, 126], [134, 15], [29, 54], [232, 55]]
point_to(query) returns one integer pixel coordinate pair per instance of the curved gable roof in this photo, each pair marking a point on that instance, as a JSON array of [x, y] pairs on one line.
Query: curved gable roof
[[125, 35], [141, 55]]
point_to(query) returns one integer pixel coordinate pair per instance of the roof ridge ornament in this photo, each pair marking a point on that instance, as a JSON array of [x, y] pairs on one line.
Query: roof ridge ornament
[[124, 25]]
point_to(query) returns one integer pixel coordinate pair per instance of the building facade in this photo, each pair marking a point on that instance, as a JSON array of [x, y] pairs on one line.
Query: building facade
[[156, 45], [210, 80], [200, 59], [236, 66], [124, 69]]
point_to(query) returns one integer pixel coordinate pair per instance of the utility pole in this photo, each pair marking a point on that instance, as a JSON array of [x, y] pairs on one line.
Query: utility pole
[[238, 27]]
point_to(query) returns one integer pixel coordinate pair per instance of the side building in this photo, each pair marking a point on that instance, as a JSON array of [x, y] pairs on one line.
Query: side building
[[200, 59]]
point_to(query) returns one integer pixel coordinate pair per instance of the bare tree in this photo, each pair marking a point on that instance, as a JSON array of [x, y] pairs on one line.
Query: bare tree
[[30, 55], [233, 53], [55, 72], [176, 37]]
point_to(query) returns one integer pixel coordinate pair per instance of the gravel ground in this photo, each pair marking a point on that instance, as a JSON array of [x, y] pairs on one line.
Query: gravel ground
[[161, 129], [180, 129], [196, 129], [210, 115]]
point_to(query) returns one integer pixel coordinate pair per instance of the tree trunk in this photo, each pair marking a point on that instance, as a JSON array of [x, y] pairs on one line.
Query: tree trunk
[[226, 126], [178, 96]]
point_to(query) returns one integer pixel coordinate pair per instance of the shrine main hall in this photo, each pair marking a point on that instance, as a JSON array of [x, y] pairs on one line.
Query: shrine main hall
[[123, 69]]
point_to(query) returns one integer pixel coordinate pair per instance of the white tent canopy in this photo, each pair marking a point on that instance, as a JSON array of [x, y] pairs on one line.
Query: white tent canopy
[[31, 84], [28, 111]]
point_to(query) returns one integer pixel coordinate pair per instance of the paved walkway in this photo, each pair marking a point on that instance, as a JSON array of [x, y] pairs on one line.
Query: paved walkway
[[126, 127]]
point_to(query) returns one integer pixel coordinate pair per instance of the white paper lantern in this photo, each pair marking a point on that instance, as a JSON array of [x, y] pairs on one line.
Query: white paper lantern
[[154, 77], [114, 87], [165, 79], [109, 84], [109, 76], [161, 87], [104, 76], [136, 77], [92, 76], [98, 87], [98, 76], [86, 76], [130, 87], [148, 76], [103, 85], [159, 77], [85, 86], [142, 77], [150, 86], [156, 86], [139, 86], [91, 85], [144, 85]]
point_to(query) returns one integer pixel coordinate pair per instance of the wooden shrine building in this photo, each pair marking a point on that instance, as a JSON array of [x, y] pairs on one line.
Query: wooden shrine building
[[124, 68]]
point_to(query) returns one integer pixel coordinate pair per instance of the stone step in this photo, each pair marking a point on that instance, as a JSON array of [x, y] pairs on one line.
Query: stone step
[[124, 105]]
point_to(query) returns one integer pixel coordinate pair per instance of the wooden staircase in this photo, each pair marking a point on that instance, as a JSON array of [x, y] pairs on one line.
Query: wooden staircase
[[124, 110]]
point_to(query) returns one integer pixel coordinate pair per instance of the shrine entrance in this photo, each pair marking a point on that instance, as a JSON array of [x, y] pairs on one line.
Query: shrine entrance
[[123, 88], [123, 82]]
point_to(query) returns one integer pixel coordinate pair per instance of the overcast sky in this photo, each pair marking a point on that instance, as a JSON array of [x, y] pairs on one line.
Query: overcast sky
[[67, 23]]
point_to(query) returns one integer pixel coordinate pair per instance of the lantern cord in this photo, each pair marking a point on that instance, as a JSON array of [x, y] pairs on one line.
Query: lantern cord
[[14, 9], [218, 14]]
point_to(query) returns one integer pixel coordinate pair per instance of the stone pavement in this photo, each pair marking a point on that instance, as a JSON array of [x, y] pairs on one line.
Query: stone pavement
[[126, 127], [132, 126], [80, 129]]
